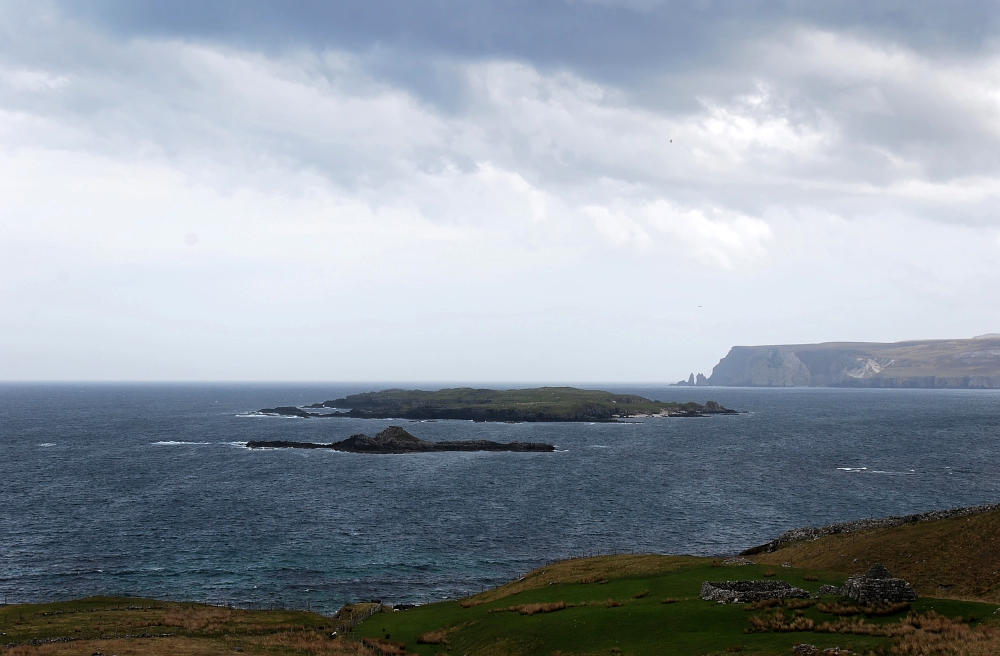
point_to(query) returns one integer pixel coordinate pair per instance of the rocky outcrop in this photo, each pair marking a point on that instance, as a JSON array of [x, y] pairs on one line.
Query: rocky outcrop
[[958, 363], [286, 411], [877, 585], [809, 533], [742, 592], [396, 440]]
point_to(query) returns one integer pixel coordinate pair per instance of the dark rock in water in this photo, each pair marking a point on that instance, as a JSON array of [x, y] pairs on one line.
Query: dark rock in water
[[396, 440], [287, 411]]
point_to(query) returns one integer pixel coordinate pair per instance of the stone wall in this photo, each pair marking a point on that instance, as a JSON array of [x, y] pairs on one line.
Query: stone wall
[[742, 592]]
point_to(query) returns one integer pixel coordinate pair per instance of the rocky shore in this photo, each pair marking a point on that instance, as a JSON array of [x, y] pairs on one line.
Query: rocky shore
[[396, 440]]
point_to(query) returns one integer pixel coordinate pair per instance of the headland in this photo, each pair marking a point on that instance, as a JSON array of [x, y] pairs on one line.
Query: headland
[[924, 364]]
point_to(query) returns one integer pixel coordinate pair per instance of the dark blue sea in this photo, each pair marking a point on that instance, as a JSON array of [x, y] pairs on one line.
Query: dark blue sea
[[148, 489]]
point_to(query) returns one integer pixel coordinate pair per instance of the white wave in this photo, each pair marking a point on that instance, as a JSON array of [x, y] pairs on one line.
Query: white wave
[[599, 446], [47, 444], [853, 469], [239, 444], [176, 443]]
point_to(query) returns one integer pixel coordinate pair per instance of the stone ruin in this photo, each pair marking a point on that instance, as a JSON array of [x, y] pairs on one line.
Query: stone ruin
[[878, 585], [737, 561], [805, 649], [742, 592]]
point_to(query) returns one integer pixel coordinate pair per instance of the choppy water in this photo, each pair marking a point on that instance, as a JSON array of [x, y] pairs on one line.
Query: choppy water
[[145, 489]]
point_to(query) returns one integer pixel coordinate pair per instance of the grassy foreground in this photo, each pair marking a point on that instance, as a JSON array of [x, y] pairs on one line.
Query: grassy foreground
[[604, 605], [627, 604]]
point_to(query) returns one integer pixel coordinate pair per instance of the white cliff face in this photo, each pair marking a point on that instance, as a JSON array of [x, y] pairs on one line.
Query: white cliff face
[[777, 369], [868, 367]]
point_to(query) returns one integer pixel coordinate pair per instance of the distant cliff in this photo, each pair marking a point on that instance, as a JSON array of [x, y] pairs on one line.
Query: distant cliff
[[952, 363]]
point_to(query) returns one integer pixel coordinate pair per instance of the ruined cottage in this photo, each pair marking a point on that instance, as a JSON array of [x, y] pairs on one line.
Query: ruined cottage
[[878, 585]]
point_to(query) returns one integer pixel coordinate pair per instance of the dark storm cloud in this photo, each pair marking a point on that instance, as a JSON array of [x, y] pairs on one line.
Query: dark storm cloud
[[602, 38]]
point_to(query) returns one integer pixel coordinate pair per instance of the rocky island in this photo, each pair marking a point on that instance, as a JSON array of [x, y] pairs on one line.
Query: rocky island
[[543, 404], [396, 440]]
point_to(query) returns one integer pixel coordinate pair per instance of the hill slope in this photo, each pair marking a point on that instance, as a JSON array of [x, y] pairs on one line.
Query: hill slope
[[955, 558]]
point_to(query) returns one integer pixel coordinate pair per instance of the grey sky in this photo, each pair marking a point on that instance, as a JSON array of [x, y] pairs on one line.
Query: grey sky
[[590, 191]]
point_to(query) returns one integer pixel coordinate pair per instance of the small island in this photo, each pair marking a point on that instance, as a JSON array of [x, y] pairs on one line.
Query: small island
[[396, 440], [542, 404]]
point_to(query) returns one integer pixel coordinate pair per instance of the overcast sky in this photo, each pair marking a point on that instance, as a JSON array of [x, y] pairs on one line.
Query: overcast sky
[[490, 191]]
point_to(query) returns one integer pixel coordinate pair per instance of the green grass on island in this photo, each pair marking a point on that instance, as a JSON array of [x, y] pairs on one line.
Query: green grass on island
[[538, 404]]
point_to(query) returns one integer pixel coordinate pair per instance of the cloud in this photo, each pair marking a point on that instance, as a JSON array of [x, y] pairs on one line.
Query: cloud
[[205, 171]]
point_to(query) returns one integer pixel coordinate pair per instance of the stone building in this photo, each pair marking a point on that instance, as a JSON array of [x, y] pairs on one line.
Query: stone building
[[878, 585]]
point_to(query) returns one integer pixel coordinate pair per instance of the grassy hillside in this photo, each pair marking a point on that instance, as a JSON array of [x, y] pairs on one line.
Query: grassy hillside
[[612, 610], [141, 627], [955, 558]]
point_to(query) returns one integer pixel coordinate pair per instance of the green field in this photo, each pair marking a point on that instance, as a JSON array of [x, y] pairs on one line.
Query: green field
[[635, 622]]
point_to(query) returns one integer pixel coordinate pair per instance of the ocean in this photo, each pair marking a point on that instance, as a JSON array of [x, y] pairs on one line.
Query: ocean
[[147, 489]]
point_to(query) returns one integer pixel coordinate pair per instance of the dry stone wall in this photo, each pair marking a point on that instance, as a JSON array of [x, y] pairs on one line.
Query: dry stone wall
[[742, 592]]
